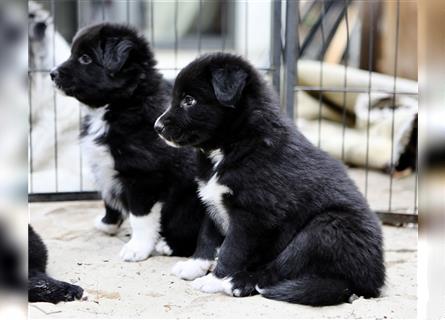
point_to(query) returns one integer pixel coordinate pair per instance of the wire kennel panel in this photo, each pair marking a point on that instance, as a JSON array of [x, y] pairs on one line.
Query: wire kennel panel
[[386, 192], [280, 46], [178, 31]]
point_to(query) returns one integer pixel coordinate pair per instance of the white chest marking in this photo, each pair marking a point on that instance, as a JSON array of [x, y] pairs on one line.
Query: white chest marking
[[212, 192], [100, 159], [216, 156]]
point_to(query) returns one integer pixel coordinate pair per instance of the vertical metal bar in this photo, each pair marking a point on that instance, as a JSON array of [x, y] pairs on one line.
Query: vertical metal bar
[[199, 27], [176, 35], [31, 175], [320, 95], [224, 11], [80, 151], [277, 45], [370, 68], [152, 24], [298, 50], [290, 54], [79, 15], [416, 181], [80, 116], [128, 11], [246, 30], [396, 54], [345, 84], [103, 10], [56, 164]]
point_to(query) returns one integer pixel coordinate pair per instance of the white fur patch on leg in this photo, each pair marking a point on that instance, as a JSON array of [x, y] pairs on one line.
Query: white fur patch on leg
[[212, 284], [162, 248], [110, 229], [192, 268], [145, 234]]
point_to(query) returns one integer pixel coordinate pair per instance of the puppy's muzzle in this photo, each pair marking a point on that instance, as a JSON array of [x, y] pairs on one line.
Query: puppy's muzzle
[[54, 74], [159, 126]]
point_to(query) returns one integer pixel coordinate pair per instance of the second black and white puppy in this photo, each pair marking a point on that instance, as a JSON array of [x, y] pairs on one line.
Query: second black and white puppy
[[112, 71], [295, 227]]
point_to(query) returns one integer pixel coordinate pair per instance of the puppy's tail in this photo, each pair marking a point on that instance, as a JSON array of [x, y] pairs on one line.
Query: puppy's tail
[[309, 290]]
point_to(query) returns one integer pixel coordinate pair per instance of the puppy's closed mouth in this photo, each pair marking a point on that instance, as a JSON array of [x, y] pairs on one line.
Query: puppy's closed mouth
[[66, 91], [169, 142]]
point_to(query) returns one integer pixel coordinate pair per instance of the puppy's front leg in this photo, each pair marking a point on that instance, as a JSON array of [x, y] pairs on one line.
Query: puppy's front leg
[[145, 228], [203, 259], [238, 248]]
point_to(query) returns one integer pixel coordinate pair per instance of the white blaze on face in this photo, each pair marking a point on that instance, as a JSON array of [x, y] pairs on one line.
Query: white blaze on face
[[144, 236]]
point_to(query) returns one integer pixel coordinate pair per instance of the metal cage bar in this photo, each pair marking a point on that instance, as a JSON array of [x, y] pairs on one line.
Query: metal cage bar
[[277, 45], [290, 55]]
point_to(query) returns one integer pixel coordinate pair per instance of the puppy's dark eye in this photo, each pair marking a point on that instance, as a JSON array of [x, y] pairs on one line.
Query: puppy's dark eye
[[188, 101], [85, 59]]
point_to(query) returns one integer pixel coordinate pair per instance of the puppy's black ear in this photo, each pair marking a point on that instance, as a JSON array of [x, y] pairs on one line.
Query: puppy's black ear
[[228, 84], [116, 53]]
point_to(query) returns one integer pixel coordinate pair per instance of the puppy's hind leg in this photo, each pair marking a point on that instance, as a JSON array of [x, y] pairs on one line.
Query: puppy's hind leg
[[110, 222], [326, 263]]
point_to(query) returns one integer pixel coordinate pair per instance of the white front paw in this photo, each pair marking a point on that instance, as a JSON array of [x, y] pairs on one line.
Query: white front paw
[[212, 284], [136, 250], [192, 268]]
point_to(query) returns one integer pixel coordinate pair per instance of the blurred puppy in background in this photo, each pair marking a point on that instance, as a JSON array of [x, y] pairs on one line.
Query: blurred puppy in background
[[54, 117]]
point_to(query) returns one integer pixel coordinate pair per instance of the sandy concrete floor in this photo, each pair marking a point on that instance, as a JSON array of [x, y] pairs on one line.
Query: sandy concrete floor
[[79, 254]]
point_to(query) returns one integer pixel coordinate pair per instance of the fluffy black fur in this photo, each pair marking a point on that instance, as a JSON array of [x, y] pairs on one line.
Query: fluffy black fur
[[299, 229], [112, 69], [41, 287], [11, 275]]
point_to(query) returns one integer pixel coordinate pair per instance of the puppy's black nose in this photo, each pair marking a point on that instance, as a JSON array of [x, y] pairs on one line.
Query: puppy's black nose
[[53, 74], [159, 126]]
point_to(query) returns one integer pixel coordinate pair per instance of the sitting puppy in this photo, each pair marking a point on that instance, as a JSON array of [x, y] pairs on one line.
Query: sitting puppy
[[295, 226], [41, 287], [112, 70]]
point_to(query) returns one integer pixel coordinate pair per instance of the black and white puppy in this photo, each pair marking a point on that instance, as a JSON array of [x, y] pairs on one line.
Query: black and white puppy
[[112, 71], [295, 226], [41, 287]]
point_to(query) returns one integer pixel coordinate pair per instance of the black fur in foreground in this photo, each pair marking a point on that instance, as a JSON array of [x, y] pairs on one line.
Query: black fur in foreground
[[41, 287]]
